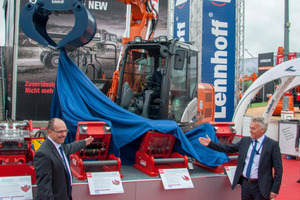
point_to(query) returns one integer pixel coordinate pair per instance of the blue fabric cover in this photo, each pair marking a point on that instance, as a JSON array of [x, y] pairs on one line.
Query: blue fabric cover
[[75, 99]]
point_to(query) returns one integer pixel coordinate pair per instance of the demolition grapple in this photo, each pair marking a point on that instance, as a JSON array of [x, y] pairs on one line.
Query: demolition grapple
[[34, 18]]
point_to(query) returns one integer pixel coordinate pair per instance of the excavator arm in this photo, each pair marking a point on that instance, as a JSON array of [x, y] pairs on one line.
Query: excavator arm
[[141, 19]]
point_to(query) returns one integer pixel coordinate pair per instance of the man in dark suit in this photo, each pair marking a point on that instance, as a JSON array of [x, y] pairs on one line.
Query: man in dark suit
[[257, 180], [53, 174]]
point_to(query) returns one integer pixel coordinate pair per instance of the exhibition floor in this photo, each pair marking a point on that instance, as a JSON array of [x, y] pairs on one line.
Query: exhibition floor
[[290, 189], [203, 180]]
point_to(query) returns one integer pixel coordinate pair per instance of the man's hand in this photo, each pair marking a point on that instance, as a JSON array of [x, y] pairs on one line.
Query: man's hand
[[89, 140], [204, 141], [297, 149], [273, 195]]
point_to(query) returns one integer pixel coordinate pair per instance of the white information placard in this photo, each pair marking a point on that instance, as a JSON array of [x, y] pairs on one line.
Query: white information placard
[[104, 183], [287, 138], [16, 187], [230, 171], [176, 178]]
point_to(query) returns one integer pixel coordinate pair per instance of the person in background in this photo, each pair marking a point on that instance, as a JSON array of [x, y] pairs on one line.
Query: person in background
[[258, 156], [156, 79], [297, 146], [158, 73], [53, 174]]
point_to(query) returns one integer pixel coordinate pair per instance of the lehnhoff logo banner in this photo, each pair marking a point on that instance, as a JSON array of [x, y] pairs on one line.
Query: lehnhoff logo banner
[[181, 19], [218, 54], [37, 65]]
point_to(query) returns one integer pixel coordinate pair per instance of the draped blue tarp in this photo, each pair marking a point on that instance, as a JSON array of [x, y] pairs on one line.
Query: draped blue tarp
[[76, 98]]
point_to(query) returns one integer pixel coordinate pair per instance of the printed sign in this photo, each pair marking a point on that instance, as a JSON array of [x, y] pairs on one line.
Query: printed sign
[[176, 178], [218, 54], [181, 19], [287, 137], [230, 171], [16, 187], [265, 62], [292, 55], [104, 183], [37, 65]]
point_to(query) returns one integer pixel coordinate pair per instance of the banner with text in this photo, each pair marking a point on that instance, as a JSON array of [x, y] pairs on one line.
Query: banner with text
[[181, 19], [218, 54], [37, 65], [265, 62]]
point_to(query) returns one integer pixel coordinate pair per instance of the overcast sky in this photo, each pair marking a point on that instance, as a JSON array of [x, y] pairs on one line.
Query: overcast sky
[[1, 24], [264, 26]]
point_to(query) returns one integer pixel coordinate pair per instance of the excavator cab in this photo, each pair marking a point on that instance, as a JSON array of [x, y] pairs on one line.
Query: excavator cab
[[159, 80]]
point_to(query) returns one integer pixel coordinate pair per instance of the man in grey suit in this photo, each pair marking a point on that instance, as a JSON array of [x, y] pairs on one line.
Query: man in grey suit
[[53, 174], [258, 156]]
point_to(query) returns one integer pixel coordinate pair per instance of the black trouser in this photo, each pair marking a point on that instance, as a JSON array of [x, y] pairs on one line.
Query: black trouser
[[250, 190]]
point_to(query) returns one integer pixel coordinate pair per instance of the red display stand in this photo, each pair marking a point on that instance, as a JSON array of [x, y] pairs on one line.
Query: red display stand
[[16, 155], [155, 153], [225, 133], [95, 157]]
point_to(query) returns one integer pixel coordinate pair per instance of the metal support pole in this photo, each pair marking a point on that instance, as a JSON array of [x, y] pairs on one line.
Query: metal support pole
[[287, 25]]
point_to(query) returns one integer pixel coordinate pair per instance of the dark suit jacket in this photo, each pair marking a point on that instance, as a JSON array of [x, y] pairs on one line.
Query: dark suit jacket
[[270, 158], [51, 175], [157, 76], [297, 138]]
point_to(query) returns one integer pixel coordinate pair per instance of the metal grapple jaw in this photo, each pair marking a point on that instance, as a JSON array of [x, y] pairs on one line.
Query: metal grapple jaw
[[34, 18]]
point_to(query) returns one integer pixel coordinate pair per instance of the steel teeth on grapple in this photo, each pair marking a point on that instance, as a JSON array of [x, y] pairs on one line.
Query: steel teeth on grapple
[[34, 18]]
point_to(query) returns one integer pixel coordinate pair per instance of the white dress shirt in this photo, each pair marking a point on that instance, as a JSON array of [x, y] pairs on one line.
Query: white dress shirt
[[57, 148], [255, 165]]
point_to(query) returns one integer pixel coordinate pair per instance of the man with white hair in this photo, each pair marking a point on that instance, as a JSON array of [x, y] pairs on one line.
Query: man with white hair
[[258, 156]]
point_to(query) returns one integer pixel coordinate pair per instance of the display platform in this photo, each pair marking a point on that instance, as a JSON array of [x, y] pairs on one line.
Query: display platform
[[139, 186]]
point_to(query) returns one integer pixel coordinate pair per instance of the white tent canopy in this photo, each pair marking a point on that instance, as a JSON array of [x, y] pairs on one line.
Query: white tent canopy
[[288, 72]]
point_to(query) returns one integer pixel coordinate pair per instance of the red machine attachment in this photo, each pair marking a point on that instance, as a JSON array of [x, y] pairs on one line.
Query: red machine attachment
[[94, 158], [16, 155], [225, 132], [156, 153]]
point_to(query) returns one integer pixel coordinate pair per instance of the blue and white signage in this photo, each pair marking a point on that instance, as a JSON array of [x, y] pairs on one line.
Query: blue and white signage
[[218, 54], [181, 19]]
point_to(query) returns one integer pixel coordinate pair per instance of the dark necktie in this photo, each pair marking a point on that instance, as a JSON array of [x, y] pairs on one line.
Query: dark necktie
[[67, 169], [248, 172]]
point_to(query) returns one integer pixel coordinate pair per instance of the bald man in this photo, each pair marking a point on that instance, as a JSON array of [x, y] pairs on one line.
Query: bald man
[[53, 174]]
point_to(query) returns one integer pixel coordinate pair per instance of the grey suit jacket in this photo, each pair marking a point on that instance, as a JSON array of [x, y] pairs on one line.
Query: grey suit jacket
[[270, 158], [51, 175]]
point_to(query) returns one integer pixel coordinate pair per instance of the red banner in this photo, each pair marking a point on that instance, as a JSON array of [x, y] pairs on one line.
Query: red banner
[[292, 55], [279, 59]]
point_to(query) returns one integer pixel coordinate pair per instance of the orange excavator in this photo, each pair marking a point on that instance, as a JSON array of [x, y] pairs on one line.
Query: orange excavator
[[176, 94], [248, 80], [247, 77], [159, 79]]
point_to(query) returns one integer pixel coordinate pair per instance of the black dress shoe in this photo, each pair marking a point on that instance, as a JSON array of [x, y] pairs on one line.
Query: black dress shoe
[[298, 180]]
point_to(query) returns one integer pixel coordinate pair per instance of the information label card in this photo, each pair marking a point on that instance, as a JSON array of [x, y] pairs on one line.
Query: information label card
[[104, 183], [230, 171], [15, 187], [176, 178]]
